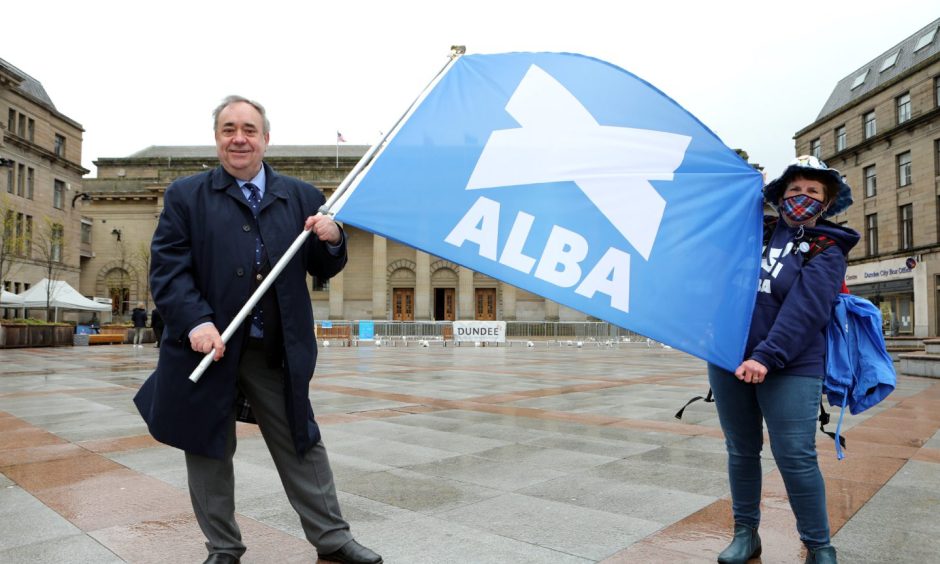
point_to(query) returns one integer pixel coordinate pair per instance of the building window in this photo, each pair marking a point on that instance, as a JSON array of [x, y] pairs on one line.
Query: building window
[[890, 61], [86, 232], [58, 194], [30, 180], [30, 129], [8, 226], [20, 179], [871, 234], [904, 169], [906, 227], [904, 107], [859, 80], [11, 120], [936, 92], [58, 234], [840, 138], [59, 145], [815, 148], [871, 127], [28, 242], [10, 180], [936, 157], [925, 39], [871, 181], [319, 285], [21, 125], [18, 242]]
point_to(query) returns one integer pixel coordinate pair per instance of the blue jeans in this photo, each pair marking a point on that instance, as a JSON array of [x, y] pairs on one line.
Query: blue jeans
[[789, 405]]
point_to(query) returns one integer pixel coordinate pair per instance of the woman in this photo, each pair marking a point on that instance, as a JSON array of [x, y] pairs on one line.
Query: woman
[[780, 380]]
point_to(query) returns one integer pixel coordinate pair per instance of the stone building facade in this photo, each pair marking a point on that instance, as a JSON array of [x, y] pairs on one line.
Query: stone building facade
[[384, 280], [40, 175], [881, 128]]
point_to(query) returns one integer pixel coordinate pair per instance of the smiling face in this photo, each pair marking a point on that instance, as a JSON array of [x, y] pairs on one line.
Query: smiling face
[[240, 140]]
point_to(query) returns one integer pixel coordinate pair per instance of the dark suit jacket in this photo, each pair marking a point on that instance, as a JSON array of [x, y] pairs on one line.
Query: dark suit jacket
[[202, 258]]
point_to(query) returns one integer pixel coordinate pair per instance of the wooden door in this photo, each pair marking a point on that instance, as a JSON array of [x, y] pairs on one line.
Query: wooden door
[[485, 304], [446, 309], [403, 304]]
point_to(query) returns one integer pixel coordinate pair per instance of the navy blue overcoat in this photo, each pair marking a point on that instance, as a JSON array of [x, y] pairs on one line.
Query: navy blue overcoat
[[201, 267]]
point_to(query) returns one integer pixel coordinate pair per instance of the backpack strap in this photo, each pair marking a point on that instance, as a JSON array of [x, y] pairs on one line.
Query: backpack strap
[[817, 245], [770, 223], [837, 436], [709, 398]]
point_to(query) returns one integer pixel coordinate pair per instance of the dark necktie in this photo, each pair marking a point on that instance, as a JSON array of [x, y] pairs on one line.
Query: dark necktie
[[254, 200]]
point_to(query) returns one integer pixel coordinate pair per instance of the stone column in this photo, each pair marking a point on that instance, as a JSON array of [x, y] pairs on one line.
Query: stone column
[[422, 286], [379, 281], [922, 300], [465, 293], [551, 310], [336, 296], [509, 301]]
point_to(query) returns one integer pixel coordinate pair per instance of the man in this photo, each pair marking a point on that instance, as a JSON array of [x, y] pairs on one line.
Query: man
[[156, 323], [219, 235], [139, 319]]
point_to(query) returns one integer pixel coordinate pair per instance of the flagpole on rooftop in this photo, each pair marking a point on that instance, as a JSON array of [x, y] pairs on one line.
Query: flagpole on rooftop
[[456, 51]]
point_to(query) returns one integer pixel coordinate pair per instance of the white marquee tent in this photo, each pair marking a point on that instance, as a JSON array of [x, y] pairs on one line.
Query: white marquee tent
[[9, 299], [63, 296]]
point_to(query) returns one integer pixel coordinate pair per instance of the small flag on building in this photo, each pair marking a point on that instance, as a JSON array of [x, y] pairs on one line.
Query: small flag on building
[[340, 138]]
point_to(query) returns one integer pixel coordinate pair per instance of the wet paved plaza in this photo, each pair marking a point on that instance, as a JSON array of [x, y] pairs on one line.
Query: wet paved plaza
[[549, 454]]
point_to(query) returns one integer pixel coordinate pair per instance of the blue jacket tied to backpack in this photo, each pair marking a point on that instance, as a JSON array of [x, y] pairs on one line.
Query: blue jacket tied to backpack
[[859, 371]]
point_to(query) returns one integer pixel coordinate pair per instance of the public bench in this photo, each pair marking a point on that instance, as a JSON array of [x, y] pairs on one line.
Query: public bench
[[342, 333], [105, 339]]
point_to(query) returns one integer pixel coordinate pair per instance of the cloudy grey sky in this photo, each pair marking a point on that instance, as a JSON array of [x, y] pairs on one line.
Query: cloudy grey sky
[[136, 74]]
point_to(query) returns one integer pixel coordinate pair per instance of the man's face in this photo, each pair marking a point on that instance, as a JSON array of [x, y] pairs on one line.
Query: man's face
[[239, 140]]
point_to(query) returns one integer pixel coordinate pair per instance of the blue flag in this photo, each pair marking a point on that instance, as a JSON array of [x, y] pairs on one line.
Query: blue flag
[[573, 179]]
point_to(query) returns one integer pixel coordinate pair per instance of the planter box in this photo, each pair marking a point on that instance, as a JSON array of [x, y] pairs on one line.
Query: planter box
[[23, 335], [14, 335]]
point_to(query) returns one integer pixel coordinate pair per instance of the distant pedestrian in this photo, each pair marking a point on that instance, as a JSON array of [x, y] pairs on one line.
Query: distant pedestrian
[[139, 317], [156, 323]]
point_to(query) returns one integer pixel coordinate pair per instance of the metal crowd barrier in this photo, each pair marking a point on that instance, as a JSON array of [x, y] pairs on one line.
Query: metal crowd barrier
[[518, 333]]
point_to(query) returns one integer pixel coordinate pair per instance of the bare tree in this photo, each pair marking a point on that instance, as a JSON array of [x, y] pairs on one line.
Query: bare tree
[[49, 247], [119, 285], [141, 263], [12, 243]]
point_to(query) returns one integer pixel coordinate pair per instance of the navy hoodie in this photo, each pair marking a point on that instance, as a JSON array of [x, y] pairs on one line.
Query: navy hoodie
[[795, 300]]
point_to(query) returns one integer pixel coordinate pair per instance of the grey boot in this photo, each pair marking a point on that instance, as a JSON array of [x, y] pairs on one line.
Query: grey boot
[[824, 555], [744, 546]]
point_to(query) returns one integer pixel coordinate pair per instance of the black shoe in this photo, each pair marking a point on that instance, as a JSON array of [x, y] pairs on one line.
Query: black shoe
[[746, 545], [824, 555], [221, 558], [352, 553]]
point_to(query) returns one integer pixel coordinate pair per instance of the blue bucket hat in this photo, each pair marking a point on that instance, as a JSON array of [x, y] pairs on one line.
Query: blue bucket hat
[[812, 168]]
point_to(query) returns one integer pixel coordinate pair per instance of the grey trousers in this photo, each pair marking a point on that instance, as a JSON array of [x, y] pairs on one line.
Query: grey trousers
[[308, 482]]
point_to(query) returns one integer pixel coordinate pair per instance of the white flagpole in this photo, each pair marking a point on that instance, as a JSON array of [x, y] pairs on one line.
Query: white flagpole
[[455, 53]]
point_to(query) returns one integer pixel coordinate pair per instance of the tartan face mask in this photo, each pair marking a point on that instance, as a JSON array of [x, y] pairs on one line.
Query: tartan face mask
[[801, 207]]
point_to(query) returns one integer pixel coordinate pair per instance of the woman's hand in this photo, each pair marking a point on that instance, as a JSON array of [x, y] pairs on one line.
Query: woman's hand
[[751, 371]]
